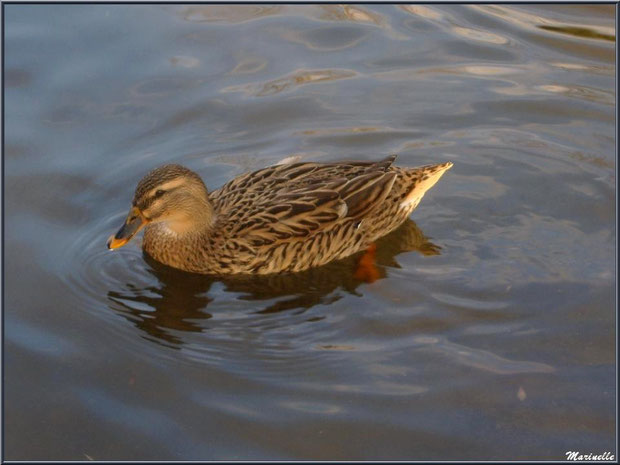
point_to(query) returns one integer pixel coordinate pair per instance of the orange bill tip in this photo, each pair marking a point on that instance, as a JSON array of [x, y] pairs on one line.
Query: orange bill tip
[[114, 243]]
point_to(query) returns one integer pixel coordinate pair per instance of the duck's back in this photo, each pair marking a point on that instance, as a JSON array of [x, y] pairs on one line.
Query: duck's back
[[267, 183]]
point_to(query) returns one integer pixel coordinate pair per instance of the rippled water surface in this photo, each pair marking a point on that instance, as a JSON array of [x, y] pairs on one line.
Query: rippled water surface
[[491, 331]]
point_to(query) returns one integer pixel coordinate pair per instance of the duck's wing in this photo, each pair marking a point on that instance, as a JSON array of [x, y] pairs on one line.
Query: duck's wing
[[303, 209], [284, 177]]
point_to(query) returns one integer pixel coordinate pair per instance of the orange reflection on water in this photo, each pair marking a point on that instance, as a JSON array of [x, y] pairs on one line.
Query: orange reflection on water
[[526, 20], [298, 78]]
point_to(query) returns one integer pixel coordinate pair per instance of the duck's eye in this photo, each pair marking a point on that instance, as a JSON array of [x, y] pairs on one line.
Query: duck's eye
[[159, 193]]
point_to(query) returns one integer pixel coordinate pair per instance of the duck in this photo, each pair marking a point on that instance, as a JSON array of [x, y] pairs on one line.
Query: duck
[[284, 218]]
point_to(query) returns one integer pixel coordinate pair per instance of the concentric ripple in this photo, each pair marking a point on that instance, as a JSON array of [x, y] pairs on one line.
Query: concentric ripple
[[258, 322], [190, 317]]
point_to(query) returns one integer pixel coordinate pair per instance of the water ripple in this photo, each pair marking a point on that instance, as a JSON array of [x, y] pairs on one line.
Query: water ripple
[[290, 82], [485, 360], [196, 318]]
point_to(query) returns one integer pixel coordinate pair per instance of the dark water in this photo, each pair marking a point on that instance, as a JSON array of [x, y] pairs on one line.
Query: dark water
[[491, 333]]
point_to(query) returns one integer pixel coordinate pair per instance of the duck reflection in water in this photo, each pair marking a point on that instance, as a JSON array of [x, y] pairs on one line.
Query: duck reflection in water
[[180, 301]]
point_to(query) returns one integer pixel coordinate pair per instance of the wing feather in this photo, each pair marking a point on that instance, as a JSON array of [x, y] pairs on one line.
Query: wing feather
[[301, 199]]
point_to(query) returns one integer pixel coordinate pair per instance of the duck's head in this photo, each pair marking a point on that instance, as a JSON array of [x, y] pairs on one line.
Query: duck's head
[[170, 194]]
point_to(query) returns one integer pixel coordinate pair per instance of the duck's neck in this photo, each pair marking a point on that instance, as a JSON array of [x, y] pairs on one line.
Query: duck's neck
[[197, 220], [185, 243]]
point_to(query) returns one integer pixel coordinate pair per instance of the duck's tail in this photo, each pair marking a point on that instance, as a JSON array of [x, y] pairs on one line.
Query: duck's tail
[[422, 179]]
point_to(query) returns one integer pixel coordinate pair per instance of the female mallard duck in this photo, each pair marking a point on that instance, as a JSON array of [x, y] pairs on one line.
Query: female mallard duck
[[287, 217]]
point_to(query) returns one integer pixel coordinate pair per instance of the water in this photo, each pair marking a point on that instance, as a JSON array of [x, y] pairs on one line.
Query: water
[[491, 333]]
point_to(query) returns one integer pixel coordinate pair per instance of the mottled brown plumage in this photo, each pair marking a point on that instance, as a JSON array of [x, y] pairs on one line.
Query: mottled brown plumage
[[287, 217]]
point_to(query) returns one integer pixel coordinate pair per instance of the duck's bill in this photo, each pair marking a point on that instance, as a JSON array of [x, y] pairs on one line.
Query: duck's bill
[[134, 222]]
